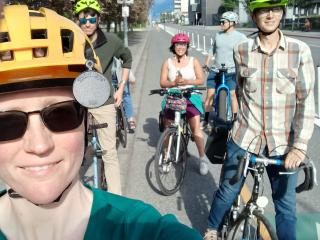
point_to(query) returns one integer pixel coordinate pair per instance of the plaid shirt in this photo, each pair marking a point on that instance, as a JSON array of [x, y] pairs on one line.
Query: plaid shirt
[[275, 95]]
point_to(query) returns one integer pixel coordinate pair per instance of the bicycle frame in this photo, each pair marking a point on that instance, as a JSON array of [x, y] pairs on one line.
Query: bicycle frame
[[180, 130], [223, 86], [97, 150]]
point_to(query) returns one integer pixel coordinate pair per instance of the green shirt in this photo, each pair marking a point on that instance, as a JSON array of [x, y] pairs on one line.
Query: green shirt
[[118, 218]]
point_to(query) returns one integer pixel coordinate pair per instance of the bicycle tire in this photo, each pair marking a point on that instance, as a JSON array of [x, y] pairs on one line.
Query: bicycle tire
[[257, 225], [121, 128], [222, 105], [170, 170]]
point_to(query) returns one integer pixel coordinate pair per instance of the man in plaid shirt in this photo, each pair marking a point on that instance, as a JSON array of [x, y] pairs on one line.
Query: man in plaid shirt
[[275, 80]]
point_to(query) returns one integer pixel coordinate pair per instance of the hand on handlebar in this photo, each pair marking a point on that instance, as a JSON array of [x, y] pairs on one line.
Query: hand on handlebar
[[293, 159], [206, 68]]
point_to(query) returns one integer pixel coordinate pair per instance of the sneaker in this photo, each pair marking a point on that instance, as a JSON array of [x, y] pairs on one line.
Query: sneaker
[[203, 125], [203, 166], [131, 125], [211, 235]]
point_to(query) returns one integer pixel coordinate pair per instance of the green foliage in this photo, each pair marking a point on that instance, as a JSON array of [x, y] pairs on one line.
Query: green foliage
[[230, 5], [112, 11]]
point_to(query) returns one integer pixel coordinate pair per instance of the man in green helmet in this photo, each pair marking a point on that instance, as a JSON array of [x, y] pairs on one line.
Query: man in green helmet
[[275, 79], [106, 46]]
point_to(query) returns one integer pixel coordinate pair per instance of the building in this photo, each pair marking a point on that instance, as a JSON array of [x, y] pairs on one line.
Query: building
[[180, 10], [204, 12]]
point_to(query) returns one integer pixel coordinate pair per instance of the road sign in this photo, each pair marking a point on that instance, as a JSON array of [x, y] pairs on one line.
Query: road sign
[[125, 11], [129, 2]]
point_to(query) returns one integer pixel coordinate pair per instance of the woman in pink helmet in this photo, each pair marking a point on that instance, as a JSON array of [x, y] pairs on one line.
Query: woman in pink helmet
[[182, 71]]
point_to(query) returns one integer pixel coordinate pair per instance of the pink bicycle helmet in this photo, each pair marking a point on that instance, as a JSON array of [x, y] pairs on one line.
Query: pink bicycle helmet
[[180, 38]]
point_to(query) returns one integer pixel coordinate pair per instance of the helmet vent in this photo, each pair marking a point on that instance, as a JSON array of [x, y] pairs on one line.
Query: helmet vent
[[39, 34], [6, 56], [35, 14], [67, 40], [4, 37]]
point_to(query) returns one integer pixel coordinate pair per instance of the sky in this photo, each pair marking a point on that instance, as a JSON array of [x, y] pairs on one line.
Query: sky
[[160, 6]]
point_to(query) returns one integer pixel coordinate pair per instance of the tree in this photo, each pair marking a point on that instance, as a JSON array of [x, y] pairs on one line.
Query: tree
[[112, 11]]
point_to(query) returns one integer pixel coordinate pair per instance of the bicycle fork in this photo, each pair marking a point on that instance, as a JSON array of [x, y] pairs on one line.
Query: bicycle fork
[[177, 119]]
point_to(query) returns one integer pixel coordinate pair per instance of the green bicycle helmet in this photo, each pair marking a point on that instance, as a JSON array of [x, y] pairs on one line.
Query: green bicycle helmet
[[255, 4], [84, 4]]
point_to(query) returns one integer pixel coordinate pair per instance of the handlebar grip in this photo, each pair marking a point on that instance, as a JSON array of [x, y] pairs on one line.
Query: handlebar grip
[[98, 126], [240, 169], [200, 88], [307, 184]]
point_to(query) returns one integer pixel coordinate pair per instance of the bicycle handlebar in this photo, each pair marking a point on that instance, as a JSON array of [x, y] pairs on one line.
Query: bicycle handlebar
[[308, 168], [98, 126], [163, 91]]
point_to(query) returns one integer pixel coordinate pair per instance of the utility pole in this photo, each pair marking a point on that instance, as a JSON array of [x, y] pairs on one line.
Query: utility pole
[[125, 14], [293, 16]]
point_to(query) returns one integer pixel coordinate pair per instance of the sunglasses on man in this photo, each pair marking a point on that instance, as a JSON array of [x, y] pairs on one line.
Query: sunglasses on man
[[58, 117], [91, 20]]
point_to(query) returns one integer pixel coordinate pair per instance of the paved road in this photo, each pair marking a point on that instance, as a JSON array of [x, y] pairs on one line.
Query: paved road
[[192, 203]]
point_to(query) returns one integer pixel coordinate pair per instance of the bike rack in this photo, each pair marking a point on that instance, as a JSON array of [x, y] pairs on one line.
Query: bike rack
[[204, 45]]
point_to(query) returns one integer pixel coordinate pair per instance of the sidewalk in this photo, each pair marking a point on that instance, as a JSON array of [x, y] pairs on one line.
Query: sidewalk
[[137, 41]]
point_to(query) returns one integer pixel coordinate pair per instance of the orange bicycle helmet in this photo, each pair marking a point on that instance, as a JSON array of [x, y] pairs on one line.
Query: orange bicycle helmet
[[40, 48]]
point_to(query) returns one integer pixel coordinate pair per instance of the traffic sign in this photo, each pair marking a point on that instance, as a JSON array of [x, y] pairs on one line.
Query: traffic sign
[[129, 2], [125, 11]]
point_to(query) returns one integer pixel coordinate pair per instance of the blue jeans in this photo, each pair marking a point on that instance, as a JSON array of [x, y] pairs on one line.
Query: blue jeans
[[283, 195], [127, 102]]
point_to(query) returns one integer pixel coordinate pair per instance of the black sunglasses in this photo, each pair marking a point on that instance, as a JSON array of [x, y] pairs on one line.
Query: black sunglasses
[[58, 117]]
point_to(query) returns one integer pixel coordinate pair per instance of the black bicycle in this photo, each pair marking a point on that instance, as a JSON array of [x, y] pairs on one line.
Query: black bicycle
[[121, 121], [250, 222], [171, 154]]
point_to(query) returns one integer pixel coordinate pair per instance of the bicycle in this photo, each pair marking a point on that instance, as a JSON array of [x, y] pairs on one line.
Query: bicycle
[[99, 179], [171, 154], [222, 98], [250, 222], [121, 121], [223, 118]]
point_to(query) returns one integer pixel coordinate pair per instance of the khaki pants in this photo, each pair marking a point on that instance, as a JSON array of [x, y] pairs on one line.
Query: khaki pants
[[107, 139]]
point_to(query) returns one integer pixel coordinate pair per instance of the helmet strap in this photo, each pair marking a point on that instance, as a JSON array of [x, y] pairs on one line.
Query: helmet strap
[[13, 194]]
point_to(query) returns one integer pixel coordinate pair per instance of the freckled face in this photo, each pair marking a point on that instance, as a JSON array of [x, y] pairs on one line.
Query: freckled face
[[40, 164]]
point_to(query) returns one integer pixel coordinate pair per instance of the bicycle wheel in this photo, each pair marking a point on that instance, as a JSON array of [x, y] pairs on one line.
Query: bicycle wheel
[[222, 108], [169, 172], [255, 226], [121, 129]]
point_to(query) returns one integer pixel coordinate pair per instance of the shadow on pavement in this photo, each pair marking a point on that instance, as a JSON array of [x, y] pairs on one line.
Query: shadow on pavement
[[151, 128], [196, 193]]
